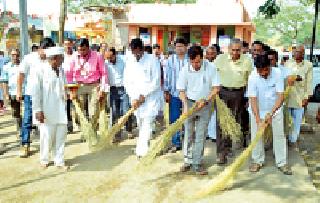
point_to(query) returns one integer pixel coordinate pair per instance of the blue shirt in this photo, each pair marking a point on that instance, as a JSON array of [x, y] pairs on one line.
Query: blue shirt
[[172, 72], [115, 72]]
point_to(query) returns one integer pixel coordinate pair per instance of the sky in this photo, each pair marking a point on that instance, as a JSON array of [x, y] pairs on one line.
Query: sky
[[46, 7]]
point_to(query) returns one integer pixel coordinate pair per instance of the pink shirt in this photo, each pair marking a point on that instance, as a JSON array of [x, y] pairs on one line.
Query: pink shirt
[[87, 70]]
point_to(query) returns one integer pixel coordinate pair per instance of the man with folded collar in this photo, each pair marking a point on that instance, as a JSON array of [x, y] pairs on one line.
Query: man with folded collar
[[265, 92], [199, 82], [119, 99], [87, 68], [234, 69]]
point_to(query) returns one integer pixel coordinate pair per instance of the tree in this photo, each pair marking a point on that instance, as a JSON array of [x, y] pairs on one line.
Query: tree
[[75, 6], [293, 24]]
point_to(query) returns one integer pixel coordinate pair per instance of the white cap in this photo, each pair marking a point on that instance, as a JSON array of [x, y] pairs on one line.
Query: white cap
[[53, 51]]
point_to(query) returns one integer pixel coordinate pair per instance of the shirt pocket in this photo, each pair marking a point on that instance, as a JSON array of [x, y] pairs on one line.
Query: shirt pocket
[[271, 91]]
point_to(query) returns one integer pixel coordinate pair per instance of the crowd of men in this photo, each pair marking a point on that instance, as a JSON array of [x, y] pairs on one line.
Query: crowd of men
[[249, 80]]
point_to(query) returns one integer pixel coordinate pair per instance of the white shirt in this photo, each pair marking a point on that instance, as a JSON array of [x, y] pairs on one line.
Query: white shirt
[[198, 84], [49, 95], [66, 62], [265, 90], [143, 78], [115, 72], [30, 65], [10, 73]]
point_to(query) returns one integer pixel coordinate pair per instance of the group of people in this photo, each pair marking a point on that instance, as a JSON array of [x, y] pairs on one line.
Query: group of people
[[249, 80]]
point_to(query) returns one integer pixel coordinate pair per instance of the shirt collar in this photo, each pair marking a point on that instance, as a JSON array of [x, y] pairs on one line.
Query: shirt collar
[[237, 61]]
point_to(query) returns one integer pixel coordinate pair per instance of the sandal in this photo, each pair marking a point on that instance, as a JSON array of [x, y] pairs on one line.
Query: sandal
[[185, 168], [200, 170], [255, 167], [286, 170], [222, 159]]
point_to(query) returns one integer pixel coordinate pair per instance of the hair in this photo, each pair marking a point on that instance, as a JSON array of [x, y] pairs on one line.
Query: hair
[[262, 61], [1, 53], [148, 49], [113, 51], [258, 43], [16, 50], [245, 44], [46, 43], [181, 41], [136, 43], [156, 46], [274, 53], [83, 42], [34, 47], [217, 48], [266, 48], [235, 41], [195, 51], [68, 39]]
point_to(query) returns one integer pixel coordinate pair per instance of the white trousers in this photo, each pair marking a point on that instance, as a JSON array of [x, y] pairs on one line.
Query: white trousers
[[279, 141], [297, 115], [52, 138], [212, 127], [145, 131]]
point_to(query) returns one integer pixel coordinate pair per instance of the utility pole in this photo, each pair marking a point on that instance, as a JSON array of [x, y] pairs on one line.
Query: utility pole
[[24, 47], [63, 5], [314, 29]]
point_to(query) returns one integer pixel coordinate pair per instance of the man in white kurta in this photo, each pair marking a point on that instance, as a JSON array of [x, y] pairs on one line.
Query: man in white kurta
[[49, 105], [198, 82], [142, 82]]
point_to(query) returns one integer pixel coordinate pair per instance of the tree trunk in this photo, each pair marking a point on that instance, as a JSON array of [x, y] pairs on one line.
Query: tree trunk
[[314, 29], [63, 5]]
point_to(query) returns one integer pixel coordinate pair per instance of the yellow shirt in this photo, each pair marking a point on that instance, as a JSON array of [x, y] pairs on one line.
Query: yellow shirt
[[302, 89], [233, 74]]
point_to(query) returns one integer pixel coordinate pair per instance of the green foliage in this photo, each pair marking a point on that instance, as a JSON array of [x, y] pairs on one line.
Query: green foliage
[[293, 24], [75, 6], [269, 9]]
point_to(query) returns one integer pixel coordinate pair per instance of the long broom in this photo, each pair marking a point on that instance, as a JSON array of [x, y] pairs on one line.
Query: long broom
[[165, 137], [107, 138], [221, 181]]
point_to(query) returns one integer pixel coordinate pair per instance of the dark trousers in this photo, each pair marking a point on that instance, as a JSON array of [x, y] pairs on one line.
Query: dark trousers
[[16, 107], [234, 99], [175, 107], [69, 104], [119, 103]]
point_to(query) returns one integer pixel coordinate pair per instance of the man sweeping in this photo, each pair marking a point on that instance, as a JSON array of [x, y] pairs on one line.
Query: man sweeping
[[265, 92], [198, 82], [142, 82], [49, 105]]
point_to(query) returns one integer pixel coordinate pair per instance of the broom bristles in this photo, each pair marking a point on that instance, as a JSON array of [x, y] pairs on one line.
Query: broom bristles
[[228, 124], [165, 137], [221, 181], [86, 127], [108, 136]]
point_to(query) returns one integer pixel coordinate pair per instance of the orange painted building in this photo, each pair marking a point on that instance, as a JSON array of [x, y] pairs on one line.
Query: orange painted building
[[206, 22]]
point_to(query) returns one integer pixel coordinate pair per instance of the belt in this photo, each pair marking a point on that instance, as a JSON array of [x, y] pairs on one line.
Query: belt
[[92, 83], [194, 101], [233, 88], [117, 87]]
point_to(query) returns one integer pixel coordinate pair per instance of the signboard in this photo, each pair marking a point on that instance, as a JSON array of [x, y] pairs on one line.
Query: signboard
[[146, 38]]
